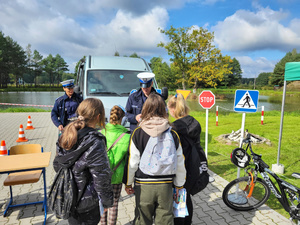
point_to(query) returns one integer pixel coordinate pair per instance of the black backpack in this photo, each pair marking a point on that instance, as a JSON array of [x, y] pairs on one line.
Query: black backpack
[[197, 170], [63, 194]]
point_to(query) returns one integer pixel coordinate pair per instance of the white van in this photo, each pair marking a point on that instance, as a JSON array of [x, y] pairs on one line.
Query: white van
[[111, 79]]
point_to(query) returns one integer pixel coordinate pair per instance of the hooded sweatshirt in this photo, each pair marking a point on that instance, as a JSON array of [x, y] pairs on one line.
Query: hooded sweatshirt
[[153, 127]]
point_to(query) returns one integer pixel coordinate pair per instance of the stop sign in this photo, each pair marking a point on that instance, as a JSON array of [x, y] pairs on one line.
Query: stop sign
[[206, 99]]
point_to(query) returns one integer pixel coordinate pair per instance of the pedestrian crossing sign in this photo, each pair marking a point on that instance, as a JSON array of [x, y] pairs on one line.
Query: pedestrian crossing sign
[[246, 101]]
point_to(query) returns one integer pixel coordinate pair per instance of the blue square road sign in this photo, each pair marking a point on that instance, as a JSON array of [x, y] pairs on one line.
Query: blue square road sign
[[246, 101]]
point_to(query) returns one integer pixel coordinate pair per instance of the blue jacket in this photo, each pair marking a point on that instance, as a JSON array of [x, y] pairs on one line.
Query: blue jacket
[[58, 113], [134, 106]]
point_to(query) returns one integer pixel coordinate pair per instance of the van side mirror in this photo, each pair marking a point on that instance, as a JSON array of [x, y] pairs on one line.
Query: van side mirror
[[164, 93], [77, 89]]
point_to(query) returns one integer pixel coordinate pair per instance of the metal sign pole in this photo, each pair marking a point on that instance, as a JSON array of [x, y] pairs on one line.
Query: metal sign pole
[[206, 132], [241, 140]]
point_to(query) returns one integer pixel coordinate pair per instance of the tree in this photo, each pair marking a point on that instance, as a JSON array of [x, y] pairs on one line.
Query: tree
[[263, 79], [134, 55], [49, 68], [233, 78], [60, 66], [208, 65], [37, 65], [277, 77], [162, 71], [179, 49]]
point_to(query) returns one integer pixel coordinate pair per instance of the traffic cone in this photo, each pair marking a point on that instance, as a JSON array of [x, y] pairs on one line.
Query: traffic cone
[[3, 149], [29, 124], [21, 135]]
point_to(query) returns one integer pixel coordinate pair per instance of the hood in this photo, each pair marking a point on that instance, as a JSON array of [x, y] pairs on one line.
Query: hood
[[189, 126], [155, 126]]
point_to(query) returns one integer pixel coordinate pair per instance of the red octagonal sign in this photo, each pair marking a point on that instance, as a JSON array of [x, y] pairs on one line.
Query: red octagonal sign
[[206, 99]]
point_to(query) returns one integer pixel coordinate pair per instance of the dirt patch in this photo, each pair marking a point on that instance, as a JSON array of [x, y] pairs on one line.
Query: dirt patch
[[235, 136]]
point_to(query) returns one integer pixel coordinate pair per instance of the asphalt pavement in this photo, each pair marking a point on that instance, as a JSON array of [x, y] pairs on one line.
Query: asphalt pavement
[[208, 205]]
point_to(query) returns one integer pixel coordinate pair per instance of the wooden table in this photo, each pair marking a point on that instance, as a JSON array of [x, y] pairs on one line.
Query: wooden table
[[26, 162]]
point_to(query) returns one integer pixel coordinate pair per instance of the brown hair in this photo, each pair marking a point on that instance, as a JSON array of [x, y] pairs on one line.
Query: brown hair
[[116, 115], [87, 112], [154, 106], [178, 103]]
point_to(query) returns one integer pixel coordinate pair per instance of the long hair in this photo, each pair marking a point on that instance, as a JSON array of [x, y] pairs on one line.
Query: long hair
[[87, 112], [154, 106], [178, 103], [116, 115]]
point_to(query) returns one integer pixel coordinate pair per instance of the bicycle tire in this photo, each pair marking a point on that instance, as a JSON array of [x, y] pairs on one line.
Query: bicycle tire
[[239, 201]]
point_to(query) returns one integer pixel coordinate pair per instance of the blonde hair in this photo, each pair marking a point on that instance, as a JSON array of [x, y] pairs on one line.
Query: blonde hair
[[154, 106], [87, 112], [116, 115], [178, 103]]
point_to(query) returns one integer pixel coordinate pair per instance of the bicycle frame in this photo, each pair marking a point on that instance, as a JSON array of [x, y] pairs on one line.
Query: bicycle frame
[[284, 187]]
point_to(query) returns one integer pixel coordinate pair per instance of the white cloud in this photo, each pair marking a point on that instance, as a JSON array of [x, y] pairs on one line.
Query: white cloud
[[253, 67], [52, 29], [249, 31]]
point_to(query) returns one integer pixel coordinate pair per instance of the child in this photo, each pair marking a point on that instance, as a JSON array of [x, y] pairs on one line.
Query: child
[[117, 156], [91, 170]]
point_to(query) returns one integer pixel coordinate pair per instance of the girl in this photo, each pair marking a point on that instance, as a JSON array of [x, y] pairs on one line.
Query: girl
[[188, 129], [153, 193], [91, 170], [117, 157]]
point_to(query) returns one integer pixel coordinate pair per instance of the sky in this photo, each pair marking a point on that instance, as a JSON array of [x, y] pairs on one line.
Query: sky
[[258, 33]]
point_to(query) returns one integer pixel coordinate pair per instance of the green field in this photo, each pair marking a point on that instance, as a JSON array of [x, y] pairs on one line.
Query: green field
[[219, 153]]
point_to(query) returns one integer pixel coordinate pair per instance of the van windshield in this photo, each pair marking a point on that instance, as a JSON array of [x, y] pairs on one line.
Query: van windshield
[[112, 82]]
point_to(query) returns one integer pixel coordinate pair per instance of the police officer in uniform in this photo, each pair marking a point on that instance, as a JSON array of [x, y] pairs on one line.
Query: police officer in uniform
[[136, 100], [65, 106]]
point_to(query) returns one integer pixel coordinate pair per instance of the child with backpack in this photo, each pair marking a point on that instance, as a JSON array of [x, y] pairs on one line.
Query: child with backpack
[[154, 165], [189, 131], [117, 138], [90, 168]]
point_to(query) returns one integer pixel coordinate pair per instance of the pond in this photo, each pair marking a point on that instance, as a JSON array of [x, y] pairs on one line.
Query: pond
[[269, 102], [225, 105]]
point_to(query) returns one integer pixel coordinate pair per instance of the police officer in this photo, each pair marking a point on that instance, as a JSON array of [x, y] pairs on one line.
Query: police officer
[[65, 106], [136, 100]]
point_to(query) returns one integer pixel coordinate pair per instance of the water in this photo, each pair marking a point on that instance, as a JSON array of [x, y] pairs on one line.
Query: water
[[32, 98], [225, 105], [269, 102]]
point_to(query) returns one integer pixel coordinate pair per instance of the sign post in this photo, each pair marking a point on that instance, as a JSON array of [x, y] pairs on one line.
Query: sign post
[[207, 101], [245, 101]]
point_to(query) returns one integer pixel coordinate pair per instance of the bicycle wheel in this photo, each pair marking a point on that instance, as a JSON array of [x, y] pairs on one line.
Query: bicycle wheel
[[235, 194]]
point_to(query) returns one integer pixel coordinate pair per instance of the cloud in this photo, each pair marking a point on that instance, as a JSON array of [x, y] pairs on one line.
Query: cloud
[[253, 67], [260, 30], [51, 28]]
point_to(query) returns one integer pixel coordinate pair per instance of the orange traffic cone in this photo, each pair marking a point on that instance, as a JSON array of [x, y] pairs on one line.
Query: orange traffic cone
[[3, 149], [21, 135], [29, 124]]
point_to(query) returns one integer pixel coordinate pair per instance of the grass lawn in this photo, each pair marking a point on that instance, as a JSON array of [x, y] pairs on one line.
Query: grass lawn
[[219, 153]]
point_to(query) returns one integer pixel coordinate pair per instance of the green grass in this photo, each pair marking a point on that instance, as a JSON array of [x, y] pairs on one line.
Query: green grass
[[19, 109], [219, 153]]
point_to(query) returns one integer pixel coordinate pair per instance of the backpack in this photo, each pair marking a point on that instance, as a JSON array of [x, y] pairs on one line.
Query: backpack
[[159, 156], [197, 170], [63, 195]]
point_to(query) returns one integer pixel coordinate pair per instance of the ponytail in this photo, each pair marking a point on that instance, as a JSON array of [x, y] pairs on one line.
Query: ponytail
[[179, 105]]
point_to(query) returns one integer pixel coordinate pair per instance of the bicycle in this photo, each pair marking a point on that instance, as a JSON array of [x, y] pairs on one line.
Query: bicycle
[[250, 192]]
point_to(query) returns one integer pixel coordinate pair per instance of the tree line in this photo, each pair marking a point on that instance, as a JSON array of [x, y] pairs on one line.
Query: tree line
[[194, 63]]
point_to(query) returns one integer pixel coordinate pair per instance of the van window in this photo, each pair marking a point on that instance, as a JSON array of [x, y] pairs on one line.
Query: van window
[[112, 82]]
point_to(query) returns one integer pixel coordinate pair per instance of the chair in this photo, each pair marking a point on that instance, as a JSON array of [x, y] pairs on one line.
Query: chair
[[26, 177]]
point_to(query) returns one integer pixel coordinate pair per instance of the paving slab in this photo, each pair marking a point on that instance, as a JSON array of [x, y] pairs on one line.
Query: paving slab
[[208, 205]]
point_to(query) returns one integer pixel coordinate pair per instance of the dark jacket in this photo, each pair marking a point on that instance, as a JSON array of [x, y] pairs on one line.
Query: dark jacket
[[188, 129], [91, 171], [134, 106], [58, 113]]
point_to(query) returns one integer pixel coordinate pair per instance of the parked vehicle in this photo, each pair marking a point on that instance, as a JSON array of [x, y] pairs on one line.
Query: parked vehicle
[[111, 79]]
